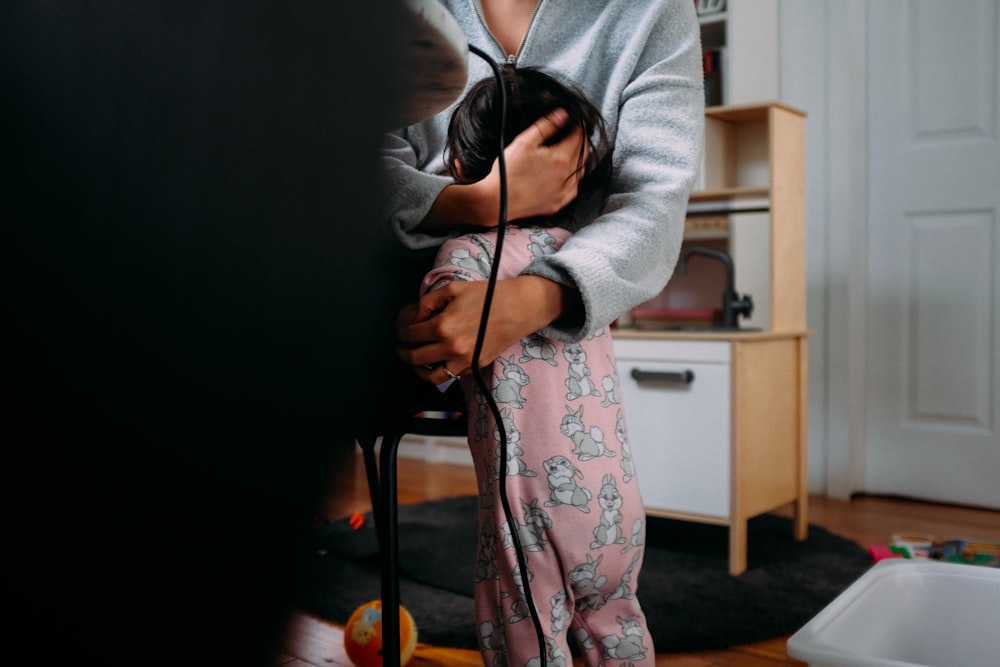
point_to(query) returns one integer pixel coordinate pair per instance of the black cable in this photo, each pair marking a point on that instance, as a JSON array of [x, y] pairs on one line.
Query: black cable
[[477, 371]]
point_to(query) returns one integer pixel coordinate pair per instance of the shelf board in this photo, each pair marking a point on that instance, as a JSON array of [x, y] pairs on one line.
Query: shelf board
[[738, 335], [725, 194], [748, 113]]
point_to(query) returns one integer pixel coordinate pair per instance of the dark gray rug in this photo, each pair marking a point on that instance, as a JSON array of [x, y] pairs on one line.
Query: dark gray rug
[[692, 603]]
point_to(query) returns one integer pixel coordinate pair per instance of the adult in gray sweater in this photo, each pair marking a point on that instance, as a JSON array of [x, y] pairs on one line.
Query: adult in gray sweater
[[639, 61]]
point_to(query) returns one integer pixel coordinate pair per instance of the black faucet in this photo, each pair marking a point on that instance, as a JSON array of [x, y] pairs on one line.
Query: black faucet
[[733, 304]]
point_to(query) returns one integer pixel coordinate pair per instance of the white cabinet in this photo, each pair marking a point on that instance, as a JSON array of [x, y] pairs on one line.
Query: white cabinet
[[717, 426], [676, 397]]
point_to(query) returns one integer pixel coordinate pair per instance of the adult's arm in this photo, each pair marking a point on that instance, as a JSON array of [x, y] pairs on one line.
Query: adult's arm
[[443, 326], [655, 103], [541, 180], [627, 254]]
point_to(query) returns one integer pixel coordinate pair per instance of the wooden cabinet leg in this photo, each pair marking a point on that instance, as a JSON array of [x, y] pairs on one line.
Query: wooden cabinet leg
[[737, 546], [801, 518]]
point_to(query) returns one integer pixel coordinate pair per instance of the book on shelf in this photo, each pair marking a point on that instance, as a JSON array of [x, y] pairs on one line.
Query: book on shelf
[[712, 62]]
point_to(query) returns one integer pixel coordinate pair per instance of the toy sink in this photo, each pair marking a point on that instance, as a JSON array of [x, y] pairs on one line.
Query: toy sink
[[908, 613]]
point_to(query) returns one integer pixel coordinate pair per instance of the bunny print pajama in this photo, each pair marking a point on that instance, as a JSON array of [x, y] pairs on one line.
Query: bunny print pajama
[[570, 481]]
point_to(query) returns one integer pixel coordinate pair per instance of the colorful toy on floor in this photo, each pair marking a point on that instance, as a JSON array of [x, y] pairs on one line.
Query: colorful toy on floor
[[363, 635], [950, 551], [881, 552]]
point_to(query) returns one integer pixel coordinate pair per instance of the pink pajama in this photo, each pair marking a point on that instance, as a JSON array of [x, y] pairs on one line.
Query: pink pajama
[[570, 480]]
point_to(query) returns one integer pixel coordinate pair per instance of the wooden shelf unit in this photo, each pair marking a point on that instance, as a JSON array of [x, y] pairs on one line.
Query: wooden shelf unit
[[758, 152], [732, 443]]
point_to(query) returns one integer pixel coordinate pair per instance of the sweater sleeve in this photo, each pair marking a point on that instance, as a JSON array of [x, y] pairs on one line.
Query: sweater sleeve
[[627, 254], [411, 187]]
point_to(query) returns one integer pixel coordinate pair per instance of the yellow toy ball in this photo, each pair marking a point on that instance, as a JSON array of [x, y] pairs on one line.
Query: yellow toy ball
[[363, 635]]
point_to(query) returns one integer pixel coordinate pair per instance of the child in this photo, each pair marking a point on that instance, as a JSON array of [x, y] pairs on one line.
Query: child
[[568, 471]]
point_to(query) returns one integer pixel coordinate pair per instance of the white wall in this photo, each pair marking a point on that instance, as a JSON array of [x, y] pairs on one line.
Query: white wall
[[823, 71]]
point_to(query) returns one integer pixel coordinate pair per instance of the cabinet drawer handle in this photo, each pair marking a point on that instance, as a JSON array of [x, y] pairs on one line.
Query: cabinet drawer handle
[[663, 377]]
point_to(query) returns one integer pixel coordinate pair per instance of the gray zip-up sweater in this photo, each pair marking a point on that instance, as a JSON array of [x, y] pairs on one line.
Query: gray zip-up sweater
[[639, 61]]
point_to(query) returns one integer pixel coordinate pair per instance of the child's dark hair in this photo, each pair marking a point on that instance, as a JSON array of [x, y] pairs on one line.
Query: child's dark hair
[[472, 146]]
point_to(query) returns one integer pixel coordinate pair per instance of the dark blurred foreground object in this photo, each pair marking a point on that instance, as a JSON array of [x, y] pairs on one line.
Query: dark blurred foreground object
[[188, 196]]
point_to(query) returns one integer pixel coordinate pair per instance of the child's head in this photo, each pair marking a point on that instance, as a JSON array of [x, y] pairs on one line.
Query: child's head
[[473, 143]]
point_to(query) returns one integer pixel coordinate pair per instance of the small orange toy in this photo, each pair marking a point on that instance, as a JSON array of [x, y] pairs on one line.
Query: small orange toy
[[363, 635]]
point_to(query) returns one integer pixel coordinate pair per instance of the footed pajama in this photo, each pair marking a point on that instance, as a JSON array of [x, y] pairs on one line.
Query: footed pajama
[[570, 481]]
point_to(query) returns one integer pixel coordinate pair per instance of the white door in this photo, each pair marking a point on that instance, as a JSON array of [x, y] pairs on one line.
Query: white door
[[933, 424]]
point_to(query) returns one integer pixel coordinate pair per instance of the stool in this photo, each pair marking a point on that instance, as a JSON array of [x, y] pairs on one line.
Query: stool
[[441, 415]]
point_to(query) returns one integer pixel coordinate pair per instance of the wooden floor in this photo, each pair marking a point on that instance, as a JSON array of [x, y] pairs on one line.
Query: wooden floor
[[314, 642]]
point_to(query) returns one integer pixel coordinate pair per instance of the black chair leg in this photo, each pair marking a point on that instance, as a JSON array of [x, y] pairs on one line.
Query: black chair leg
[[390, 564], [371, 472], [382, 487]]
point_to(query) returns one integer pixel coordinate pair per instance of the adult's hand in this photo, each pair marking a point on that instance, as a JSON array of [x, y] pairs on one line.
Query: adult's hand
[[541, 180], [440, 330]]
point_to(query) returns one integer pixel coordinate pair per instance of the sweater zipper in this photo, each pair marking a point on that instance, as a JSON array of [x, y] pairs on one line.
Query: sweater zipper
[[511, 59]]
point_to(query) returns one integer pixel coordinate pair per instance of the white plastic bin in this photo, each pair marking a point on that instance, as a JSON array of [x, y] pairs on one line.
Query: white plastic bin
[[908, 613]]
